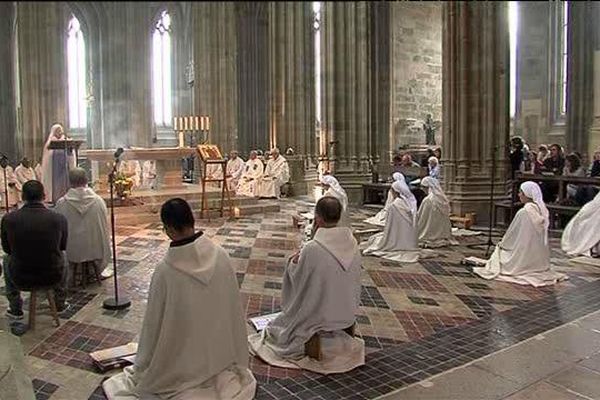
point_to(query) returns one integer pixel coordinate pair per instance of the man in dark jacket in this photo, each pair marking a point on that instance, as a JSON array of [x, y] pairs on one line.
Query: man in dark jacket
[[34, 239]]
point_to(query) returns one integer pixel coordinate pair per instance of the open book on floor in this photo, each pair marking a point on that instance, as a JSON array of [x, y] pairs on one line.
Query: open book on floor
[[259, 323], [114, 357]]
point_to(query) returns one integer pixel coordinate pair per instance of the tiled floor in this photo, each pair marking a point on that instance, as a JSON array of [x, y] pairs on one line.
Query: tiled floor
[[417, 320]]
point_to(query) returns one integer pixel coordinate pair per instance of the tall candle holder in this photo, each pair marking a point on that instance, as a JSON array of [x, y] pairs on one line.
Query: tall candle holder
[[193, 129]]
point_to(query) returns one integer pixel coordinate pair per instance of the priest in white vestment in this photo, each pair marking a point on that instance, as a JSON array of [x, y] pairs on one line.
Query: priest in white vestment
[[523, 254], [193, 342], [275, 176], [87, 218], [398, 241], [9, 185], [320, 294], [333, 188], [433, 218], [23, 173], [251, 175], [149, 174], [235, 168], [55, 166], [582, 234], [379, 218]]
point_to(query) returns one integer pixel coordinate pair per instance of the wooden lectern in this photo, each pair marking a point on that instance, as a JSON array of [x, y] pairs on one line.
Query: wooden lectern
[[210, 155]]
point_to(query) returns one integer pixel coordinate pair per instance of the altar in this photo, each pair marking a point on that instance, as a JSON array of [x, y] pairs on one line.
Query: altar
[[168, 164]]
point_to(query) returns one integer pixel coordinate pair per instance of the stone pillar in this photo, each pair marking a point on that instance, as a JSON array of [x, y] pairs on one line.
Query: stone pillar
[[346, 112], [8, 137], [580, 72], [292, 115], [475, 103], [593, 139]]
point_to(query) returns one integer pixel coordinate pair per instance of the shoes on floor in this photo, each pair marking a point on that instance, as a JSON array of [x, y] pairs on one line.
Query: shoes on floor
[[107, 273], [13, 315]]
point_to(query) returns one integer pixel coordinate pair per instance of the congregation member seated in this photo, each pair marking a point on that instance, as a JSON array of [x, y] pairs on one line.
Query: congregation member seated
[[595, 166], [320, 295], [410, 169], [192, 343], [33, 238], [582, 234], [523, 254], [438, 153], [398, 241], [554, 164], [334, 189], [434, 168], [6, 171], [275, 176], [543, 153], [379, 218], [534, 165], [87, 218], [433, 218], [235, 168], [573, 168], [149, 174], [23, 173], [252, 173]]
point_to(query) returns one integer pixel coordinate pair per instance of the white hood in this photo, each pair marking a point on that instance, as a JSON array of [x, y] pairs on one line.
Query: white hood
[[340, 242], [196, 259], [81, 199]]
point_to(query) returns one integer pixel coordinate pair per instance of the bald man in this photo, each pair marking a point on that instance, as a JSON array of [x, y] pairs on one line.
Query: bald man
[[276, 175]]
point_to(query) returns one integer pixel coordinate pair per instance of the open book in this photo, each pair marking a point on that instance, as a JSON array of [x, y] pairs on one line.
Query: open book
[[259, 323], [114, 357]]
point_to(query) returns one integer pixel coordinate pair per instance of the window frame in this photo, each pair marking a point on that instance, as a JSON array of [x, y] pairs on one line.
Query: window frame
[[164, 129], [79, 131], [558, 62]]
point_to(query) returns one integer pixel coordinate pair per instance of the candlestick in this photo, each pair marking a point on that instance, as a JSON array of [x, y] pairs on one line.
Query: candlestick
[[175, 123], [180, 139], [180, 125], [208, 123], [196, 119]]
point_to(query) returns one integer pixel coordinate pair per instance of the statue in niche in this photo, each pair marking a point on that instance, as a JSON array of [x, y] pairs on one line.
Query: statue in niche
[[429, 128]]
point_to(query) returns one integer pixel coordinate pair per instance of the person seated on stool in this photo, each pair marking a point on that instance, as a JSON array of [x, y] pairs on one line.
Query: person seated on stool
[[193, 339], [34, 238], [320, 295], [235, 168], [87, 216], [276, 175]]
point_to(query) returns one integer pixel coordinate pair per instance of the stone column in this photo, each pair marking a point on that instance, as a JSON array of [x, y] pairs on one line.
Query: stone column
[[292, 111], [475, 103], [8, 139], [593, 139], [346, 110], [580, 72]]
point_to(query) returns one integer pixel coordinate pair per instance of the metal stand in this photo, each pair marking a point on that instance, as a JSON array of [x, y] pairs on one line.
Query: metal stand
[[4, 164], [114, 303]]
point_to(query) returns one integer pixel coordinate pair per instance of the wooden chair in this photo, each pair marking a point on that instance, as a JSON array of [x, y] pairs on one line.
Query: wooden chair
[[33, 303], [312, 348]]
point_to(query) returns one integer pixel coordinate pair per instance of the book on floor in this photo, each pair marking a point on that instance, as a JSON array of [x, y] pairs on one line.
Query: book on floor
[[114, 357], [259, 323]]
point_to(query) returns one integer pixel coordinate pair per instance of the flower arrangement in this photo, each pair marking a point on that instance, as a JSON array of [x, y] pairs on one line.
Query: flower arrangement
[[123, 185]]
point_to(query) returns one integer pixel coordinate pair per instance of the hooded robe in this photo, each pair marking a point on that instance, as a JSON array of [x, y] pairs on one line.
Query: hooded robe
[[276, 175], [433, 218], [582, 234]]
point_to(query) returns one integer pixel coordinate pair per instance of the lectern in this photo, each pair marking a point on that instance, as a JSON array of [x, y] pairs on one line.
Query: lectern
[[69, 146], [210, 155]]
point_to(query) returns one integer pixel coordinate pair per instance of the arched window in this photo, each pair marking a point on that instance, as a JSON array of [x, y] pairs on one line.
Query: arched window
[[513, 21], [161, 71], [317, 31], [76, 75]]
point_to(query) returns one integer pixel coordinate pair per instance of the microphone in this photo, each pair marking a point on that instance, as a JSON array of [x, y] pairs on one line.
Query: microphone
[[118, 153]]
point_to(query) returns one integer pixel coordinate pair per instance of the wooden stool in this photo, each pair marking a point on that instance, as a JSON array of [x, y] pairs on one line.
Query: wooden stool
[[33, 303], [312, 348], [83, 270]]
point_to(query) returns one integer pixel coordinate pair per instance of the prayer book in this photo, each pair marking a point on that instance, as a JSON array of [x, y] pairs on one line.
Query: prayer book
[[114, 357], [259, 323]]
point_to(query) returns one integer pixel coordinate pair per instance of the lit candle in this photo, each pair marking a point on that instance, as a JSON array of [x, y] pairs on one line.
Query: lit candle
[[201, 123], [180, 126], [175, 123], [208, 123], [180, 139], [185, 123], [196, 119]]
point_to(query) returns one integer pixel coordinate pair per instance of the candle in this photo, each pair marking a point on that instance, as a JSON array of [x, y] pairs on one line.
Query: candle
[[180, 126], [196, 119], [175, 123], [180, 139], [185, 123], [208, 123], [201, 123]]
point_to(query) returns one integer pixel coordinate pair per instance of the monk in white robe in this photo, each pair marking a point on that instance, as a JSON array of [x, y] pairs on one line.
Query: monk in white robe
[[9, 186], [235, 168], [523, 255], [433, 218], [55, 166], [193, 343], [379, 218], [87, 218], [333, 188], [23, 173], [149, 174], [275, 176], [398, 241], [582, 234], [320, 294], [253, 172]]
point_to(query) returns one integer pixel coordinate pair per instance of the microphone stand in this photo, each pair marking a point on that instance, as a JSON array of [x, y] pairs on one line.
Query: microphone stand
[[4, 164], [114, 303]]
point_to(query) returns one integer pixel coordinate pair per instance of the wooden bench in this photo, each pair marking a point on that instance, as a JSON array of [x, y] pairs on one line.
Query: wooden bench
[[557, 210], [312, 348]]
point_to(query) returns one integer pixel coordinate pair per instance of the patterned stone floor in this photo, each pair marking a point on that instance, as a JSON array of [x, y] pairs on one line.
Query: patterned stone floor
[[417, 319]]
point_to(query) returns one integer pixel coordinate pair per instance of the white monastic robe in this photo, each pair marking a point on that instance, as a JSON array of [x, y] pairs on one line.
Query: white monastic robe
[[87, 217], [320, 293], [523, 255], [55, 167], [379, 218], [582, 234], [131, 169], [398, 241], [336, 190], [15, 383], [22, 175], [248, 185], [193, 343], [38, 172], [276, 175], [433, 218], [149, 174], [11, 184], [235, 168]]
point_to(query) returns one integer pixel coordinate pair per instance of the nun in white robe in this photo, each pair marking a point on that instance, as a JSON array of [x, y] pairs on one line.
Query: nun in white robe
[[398, 241], [193, 343], [523, 255], [320, 293], [55, 166], [379, 218], [433, 217], [334, 189], [582, 234]]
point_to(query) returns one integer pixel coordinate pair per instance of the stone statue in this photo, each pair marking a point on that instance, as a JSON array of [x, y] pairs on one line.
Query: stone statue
[[429, 129]]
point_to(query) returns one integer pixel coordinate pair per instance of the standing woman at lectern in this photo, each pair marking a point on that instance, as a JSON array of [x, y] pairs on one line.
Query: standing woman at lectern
[[55, 166]]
